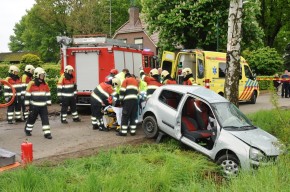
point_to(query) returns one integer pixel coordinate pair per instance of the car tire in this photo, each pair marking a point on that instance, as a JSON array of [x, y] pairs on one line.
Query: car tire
[[230, 165], [253, 98], [150, 127]]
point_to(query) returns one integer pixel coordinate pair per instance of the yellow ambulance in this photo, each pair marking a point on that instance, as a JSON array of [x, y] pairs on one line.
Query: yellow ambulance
[[208, 69]]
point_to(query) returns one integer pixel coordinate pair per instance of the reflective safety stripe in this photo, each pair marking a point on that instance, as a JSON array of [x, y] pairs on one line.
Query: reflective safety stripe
[[131, 97], [38, 103], [152, 87], [49, 102], [68, 86], [102, 91], [10, 113], [27, 94], [75, 113], [96, 97], [67, 94], [26, 102], [38, 93], [132, 87], [93, 118]]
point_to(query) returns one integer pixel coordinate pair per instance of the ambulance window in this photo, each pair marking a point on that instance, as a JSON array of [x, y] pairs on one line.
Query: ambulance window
[[222, 70], [170, 98], [248, 72], [200, 69]]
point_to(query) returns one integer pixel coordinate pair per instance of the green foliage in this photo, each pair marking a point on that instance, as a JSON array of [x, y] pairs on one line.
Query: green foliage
[[264, 61], [149, 167], [30, 59], [287, 57], [192, 24], [274, 20], [38, 29]]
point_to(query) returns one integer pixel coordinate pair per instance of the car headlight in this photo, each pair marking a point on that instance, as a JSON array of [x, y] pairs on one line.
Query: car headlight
[[256, 154]]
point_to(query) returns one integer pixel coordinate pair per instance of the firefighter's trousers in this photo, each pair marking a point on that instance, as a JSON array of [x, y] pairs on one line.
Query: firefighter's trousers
[[129, 116], [69, 102], [97, 114], [43, 112], [14, 107], [24, 112]]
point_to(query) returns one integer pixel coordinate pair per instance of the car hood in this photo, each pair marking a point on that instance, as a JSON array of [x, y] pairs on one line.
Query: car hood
[[259, 139]]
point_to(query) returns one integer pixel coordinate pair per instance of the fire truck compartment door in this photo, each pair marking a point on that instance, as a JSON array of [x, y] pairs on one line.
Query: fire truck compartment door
[[87, 70]]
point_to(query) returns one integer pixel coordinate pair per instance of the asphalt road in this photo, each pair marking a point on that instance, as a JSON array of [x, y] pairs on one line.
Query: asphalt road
[[79, 139]]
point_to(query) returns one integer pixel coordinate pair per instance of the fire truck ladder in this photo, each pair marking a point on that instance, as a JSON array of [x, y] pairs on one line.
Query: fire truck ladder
[[96, 41]]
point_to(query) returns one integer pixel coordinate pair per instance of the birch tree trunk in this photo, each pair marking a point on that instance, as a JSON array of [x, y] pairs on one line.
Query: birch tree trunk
[[233, 71]]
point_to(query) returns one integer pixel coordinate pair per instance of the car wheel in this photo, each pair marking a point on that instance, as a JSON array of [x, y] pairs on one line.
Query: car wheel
[[229, 164], [150, 127], [253, 98]]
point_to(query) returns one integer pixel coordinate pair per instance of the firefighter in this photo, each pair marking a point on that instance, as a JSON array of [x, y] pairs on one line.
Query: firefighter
[[25, 79], [152, 81], [37, 98], [166, 78], [101, 97], [66, 92], [113, 73], [188, 77], [129, 100], [15, 81]]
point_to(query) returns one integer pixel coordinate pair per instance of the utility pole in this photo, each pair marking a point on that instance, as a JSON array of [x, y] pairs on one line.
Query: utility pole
[[110, 18]]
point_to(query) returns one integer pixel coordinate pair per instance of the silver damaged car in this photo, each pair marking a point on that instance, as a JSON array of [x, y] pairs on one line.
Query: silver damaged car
[[210, 124]]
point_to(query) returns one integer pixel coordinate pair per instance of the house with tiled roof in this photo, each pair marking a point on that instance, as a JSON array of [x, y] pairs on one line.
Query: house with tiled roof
[[134, 32], [13, 57]]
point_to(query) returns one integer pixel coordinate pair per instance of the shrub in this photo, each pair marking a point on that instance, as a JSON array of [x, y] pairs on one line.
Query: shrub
[[264, 61]]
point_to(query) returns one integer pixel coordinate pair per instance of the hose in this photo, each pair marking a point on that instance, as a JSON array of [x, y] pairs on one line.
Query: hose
[[3, 82]]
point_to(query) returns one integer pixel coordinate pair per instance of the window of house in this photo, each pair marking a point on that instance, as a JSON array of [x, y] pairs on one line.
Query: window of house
[[124, 40], [170, 98], [139, 41]]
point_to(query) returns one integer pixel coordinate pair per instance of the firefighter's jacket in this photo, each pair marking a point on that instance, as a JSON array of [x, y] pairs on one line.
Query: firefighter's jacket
[[25, 79], [66, 86], [37, 93], [168, 80], [129, 89], [189, 80], [152, 83], [102, 93], [15, 81]]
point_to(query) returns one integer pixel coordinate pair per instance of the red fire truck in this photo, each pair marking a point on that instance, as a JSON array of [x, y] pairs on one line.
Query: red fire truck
[[94, 56]]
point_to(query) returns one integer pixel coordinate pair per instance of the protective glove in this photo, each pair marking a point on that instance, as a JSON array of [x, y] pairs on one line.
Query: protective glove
[[110, 100], [22, 97]]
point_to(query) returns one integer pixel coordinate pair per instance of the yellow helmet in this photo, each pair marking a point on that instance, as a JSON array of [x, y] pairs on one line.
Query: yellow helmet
[[186, 71], [38, 71], [164, 73], [153, 72], [13, 69], [68, 68], [116, 82], [29, 69]]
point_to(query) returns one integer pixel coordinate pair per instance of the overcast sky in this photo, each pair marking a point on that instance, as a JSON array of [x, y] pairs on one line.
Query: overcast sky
[[11, 12]]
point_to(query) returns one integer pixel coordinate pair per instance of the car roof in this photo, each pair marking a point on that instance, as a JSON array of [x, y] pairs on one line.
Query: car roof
[[200, 91]]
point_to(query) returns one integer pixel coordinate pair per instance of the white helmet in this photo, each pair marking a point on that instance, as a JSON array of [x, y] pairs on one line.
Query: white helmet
[[29, 69], [68, 68], [116, 82], [153, 72], [186, 71], [164, 74], [13, 69], [38, 71]]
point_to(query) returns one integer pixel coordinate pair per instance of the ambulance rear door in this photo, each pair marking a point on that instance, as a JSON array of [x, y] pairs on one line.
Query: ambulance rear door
[[168, 62], [200, 68]]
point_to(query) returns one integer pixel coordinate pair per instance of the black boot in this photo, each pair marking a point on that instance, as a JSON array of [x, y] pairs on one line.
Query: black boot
[[48, 136], [77, 120], [10, 122], [121, 134], [28, 133], [64, 121], [19, 120], [95, 127]]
